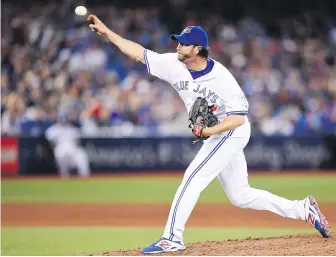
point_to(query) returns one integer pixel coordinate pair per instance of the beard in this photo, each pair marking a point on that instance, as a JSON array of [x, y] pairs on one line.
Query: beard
[[183, 57]]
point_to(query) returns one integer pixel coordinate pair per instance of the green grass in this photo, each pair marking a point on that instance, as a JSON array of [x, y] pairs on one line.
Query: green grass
[[76, 240], [156, 190]]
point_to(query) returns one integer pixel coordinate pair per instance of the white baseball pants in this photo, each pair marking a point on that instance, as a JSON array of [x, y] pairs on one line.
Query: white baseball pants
[[71, 156], [224, 158]]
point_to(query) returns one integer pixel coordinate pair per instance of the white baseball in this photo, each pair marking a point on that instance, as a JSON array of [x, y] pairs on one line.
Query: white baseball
[[81, 10]]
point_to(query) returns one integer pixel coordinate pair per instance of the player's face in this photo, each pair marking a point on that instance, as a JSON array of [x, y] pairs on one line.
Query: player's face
[[186, 52]]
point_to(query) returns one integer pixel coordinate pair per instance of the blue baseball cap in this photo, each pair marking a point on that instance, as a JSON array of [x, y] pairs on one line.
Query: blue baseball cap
[[192, 35], [62, 117]]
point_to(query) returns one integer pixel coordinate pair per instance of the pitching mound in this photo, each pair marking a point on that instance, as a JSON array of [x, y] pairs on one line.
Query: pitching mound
[[284, 245]]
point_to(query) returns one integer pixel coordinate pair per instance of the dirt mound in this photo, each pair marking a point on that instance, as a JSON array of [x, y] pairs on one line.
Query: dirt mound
[[284, 245]]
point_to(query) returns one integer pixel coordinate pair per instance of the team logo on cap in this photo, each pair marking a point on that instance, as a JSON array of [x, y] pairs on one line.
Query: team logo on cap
[[186, 30]]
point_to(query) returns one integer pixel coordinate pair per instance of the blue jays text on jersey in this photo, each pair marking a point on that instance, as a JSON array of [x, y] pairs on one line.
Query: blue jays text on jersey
[[202, 90]]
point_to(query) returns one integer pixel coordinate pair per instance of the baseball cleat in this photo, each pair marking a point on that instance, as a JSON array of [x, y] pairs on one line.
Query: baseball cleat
[[315, 217], [164, 245]]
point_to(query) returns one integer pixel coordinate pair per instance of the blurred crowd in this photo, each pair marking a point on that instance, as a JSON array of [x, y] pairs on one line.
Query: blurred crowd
[[53, 65]]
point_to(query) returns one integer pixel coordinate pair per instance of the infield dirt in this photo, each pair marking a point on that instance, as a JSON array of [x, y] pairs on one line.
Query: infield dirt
[[205, 215], [299, 245]]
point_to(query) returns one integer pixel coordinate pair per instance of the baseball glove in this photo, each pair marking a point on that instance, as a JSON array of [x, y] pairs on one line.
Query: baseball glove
[[201, 116]]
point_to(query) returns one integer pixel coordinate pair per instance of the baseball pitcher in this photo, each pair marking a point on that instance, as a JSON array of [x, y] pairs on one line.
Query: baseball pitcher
[[68, 153], [218, 111]]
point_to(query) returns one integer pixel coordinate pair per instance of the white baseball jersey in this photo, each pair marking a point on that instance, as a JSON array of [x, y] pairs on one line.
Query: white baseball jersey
[[215, 83], [68, 152], [63, 134]]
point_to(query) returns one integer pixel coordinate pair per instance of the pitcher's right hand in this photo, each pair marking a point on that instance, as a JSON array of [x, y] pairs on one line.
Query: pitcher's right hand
[[97, 25]]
